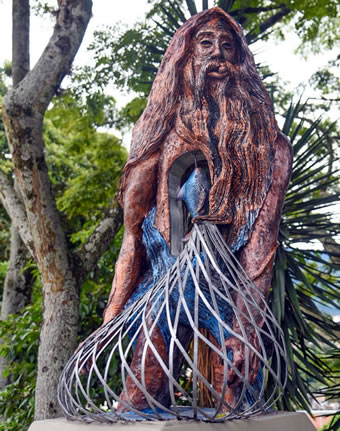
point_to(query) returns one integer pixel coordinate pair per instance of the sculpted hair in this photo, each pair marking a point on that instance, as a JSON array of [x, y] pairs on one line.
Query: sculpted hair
[[241, 142], [233, 121], [158, 116]]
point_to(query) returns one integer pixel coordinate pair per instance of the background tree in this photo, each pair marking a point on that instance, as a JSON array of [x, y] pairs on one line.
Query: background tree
[[17, 285], [84, 168], [33, 208]]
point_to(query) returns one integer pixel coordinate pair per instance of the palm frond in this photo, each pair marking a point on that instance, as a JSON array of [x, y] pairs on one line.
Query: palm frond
[[305, 279]]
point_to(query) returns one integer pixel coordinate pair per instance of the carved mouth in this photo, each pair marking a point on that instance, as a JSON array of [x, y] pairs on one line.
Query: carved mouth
[[217, 71]]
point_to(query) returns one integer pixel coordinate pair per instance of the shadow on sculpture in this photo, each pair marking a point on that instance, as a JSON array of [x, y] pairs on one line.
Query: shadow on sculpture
[[187, 330]]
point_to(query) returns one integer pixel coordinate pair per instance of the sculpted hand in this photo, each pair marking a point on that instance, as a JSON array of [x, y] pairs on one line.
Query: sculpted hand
[[239, 359], [111, 311]]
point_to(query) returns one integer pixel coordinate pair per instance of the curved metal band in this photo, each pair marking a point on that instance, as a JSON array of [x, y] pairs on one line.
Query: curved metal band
[[207, 275]]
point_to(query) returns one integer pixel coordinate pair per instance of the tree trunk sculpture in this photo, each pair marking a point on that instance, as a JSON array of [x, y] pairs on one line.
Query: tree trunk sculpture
[[207, 161]]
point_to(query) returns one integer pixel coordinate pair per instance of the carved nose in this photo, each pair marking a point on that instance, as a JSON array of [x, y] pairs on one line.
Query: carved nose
[[218, 52]]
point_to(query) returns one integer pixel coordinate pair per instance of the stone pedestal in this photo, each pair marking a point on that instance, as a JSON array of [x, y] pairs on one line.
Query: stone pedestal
[[285, 421]]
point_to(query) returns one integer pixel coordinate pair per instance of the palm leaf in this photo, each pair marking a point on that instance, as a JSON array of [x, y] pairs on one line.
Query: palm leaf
[[304, 278]]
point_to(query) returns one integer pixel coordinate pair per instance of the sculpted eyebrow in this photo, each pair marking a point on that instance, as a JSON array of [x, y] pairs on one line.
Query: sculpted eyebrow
[[204, 33], [211, 34]]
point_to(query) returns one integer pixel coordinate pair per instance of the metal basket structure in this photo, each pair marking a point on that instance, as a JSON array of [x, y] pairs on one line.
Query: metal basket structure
[[204, 281]]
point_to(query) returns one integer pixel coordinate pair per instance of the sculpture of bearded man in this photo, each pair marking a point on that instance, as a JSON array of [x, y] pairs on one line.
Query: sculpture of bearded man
[[208, 112]]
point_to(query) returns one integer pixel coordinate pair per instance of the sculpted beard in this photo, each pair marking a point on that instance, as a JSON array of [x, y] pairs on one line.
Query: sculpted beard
[[208, 107], [231, 125], [230, 119]]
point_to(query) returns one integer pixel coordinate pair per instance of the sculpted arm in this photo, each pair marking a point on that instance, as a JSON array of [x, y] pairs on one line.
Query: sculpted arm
[[139, 198], [257, 257]]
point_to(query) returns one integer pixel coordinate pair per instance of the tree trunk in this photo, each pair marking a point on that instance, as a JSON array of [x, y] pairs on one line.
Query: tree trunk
[[20, 40], [17, 288], [58, 340], [18, 283], [23, 113]]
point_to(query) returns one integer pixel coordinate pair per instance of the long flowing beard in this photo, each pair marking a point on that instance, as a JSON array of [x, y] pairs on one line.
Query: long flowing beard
[[206, 115], [238, 134]]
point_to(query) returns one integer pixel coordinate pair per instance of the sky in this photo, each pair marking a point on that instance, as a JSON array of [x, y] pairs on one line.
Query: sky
[[278, 55]]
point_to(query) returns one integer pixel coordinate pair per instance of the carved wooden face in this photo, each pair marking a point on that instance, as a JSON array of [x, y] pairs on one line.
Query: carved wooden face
[[215, 45]]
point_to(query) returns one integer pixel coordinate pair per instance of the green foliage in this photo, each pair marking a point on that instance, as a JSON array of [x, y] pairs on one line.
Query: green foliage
[[130, 57], [333, 425], [306, 277], [45, 9], [84, 165], [4, 239], [315, 22], [3, 272], [129, 115], [20, 340], [96, 289], [327, 80]]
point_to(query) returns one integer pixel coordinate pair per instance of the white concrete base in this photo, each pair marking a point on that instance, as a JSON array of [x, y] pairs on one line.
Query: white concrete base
[[285, 421]]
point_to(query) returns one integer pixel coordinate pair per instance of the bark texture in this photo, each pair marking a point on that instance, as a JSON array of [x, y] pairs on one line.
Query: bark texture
[[18, 283], [100, 240], [23, 113], [20, 40], [16, 211]]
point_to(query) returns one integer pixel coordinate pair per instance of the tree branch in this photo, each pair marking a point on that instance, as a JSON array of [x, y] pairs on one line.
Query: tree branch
[[15, 211], [20, 40], [170, 17], [41, 83], [101, 238], [327, 99], [191, 7], [166, 31], [265, 25], [181, 15]]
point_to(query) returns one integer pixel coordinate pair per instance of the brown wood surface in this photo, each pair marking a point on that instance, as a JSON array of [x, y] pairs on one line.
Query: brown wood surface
[[208, 97]]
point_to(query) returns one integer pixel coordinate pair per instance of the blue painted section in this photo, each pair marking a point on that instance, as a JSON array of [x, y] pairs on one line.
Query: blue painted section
[[195, 192], [244, 231], [161, 261], [257, 385]]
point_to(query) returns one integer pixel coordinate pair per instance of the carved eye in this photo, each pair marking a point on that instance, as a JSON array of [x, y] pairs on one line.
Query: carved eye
[[206, 43], [226, 45]]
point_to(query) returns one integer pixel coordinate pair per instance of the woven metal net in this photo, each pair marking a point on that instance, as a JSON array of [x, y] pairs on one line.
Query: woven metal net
[[193, 307]]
